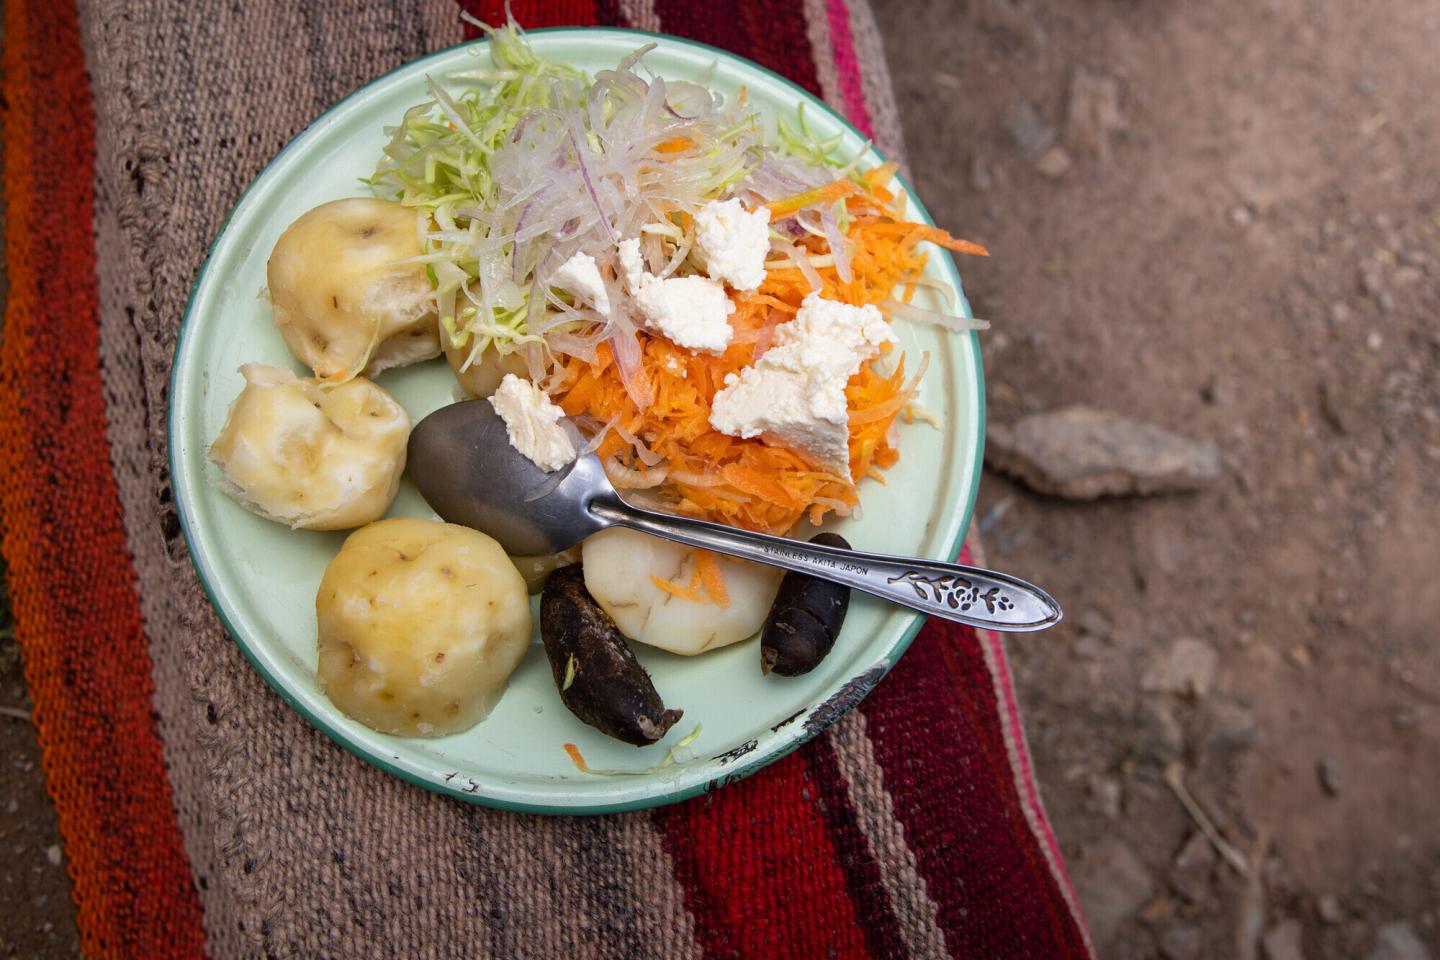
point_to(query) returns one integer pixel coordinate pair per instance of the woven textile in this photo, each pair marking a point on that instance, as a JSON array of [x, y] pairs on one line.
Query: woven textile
[[203, 816]]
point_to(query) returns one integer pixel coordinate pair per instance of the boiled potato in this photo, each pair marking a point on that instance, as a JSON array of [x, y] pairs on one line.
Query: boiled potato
[[311, 456], [342, 302], [536, 570], [619, 564], [483, 376], [421, 625]]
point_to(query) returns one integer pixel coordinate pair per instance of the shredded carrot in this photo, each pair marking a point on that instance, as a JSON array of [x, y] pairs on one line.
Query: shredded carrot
[[750, 483], [684, 593], [575, 757], [708, 566], [788, 206], [675, 145]]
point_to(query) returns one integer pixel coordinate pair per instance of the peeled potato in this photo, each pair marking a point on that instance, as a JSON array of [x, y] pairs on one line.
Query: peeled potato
[[482, 377], [320, 458], [342, 302], [536, 570], [618, 567], [421, 625]]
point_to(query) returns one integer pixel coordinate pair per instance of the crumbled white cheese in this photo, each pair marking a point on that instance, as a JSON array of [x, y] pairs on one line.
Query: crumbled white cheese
[[533, 423], [794, 395], [632, 265], [580, 277], [691, 312], [732, 243]]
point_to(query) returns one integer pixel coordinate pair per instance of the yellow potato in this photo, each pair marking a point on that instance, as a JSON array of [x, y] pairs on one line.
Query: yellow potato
[[319, 458], [421, 625], [342, 302], [536, 570], [483, 376], [619, 564]]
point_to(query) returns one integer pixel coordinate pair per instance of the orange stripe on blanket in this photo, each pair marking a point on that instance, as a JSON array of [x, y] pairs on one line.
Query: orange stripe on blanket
[[72, 583]]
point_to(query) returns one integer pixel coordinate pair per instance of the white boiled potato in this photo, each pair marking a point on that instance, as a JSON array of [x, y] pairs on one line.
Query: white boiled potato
[[482, 377], [618, 565], [312, 456], [342, 301], [421, 625]]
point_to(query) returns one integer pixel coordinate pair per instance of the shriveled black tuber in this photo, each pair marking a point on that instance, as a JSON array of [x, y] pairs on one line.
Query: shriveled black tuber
[[598, 677], [804, 620]]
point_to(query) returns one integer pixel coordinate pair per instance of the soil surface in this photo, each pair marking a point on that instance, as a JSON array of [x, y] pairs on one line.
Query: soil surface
[[1222, 218]]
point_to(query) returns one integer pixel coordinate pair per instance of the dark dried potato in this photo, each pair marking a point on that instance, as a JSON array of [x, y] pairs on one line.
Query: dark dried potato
[[805, 619], [598, 677]]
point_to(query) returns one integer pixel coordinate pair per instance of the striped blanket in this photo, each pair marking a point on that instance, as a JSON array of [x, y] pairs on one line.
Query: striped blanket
[[203, 816]]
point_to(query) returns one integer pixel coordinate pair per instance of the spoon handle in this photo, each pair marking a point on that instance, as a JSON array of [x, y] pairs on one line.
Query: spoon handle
[[969, 595]]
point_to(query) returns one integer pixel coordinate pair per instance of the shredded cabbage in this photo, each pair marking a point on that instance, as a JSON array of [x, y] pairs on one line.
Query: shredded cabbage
[[533, 160]]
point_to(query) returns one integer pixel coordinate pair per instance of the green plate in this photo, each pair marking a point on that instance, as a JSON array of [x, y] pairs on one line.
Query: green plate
[[262, 577]]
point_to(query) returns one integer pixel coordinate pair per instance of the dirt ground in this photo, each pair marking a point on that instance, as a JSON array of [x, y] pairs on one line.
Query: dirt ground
[[1223, 218]]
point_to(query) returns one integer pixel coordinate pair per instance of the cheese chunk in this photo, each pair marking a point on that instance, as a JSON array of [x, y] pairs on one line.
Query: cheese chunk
[[691, 312], [580, 277], [732, 243], [794, 396], [533, 423]]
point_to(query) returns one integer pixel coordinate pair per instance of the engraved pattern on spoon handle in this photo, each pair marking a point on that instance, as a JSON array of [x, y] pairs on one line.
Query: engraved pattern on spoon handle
[[969, 595]]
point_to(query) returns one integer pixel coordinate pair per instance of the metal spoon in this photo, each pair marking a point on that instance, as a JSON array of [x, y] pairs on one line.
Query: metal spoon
[[461, 459]]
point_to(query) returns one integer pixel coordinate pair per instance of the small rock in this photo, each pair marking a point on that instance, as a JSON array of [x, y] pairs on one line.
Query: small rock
[[1180, 943], [1094, 113], [12, 806], [1082, 453], [1187, 668], [1241, 216], [1329, 909], [1229, 725], [1331, 775], [1113, 884], [52, 853], [1053, 163], [1344, 407], [1158, 734], [1032, 135], [1374, 340], [1398, 941], [1282, 942], [1105, 791], [1338, 313], [1190, 873]]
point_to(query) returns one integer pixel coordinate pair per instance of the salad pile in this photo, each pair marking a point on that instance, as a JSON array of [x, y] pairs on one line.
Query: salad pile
[[537, 172]]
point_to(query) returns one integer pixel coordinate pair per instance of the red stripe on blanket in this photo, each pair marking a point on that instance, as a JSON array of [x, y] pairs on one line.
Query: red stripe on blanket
[[933, 725], [857, 859], [71, 579], [847, 65], [762, 878], [534, 14], [770, 32]]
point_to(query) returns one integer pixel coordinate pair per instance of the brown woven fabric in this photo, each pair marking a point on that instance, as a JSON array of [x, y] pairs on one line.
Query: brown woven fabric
[[192, 101]]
